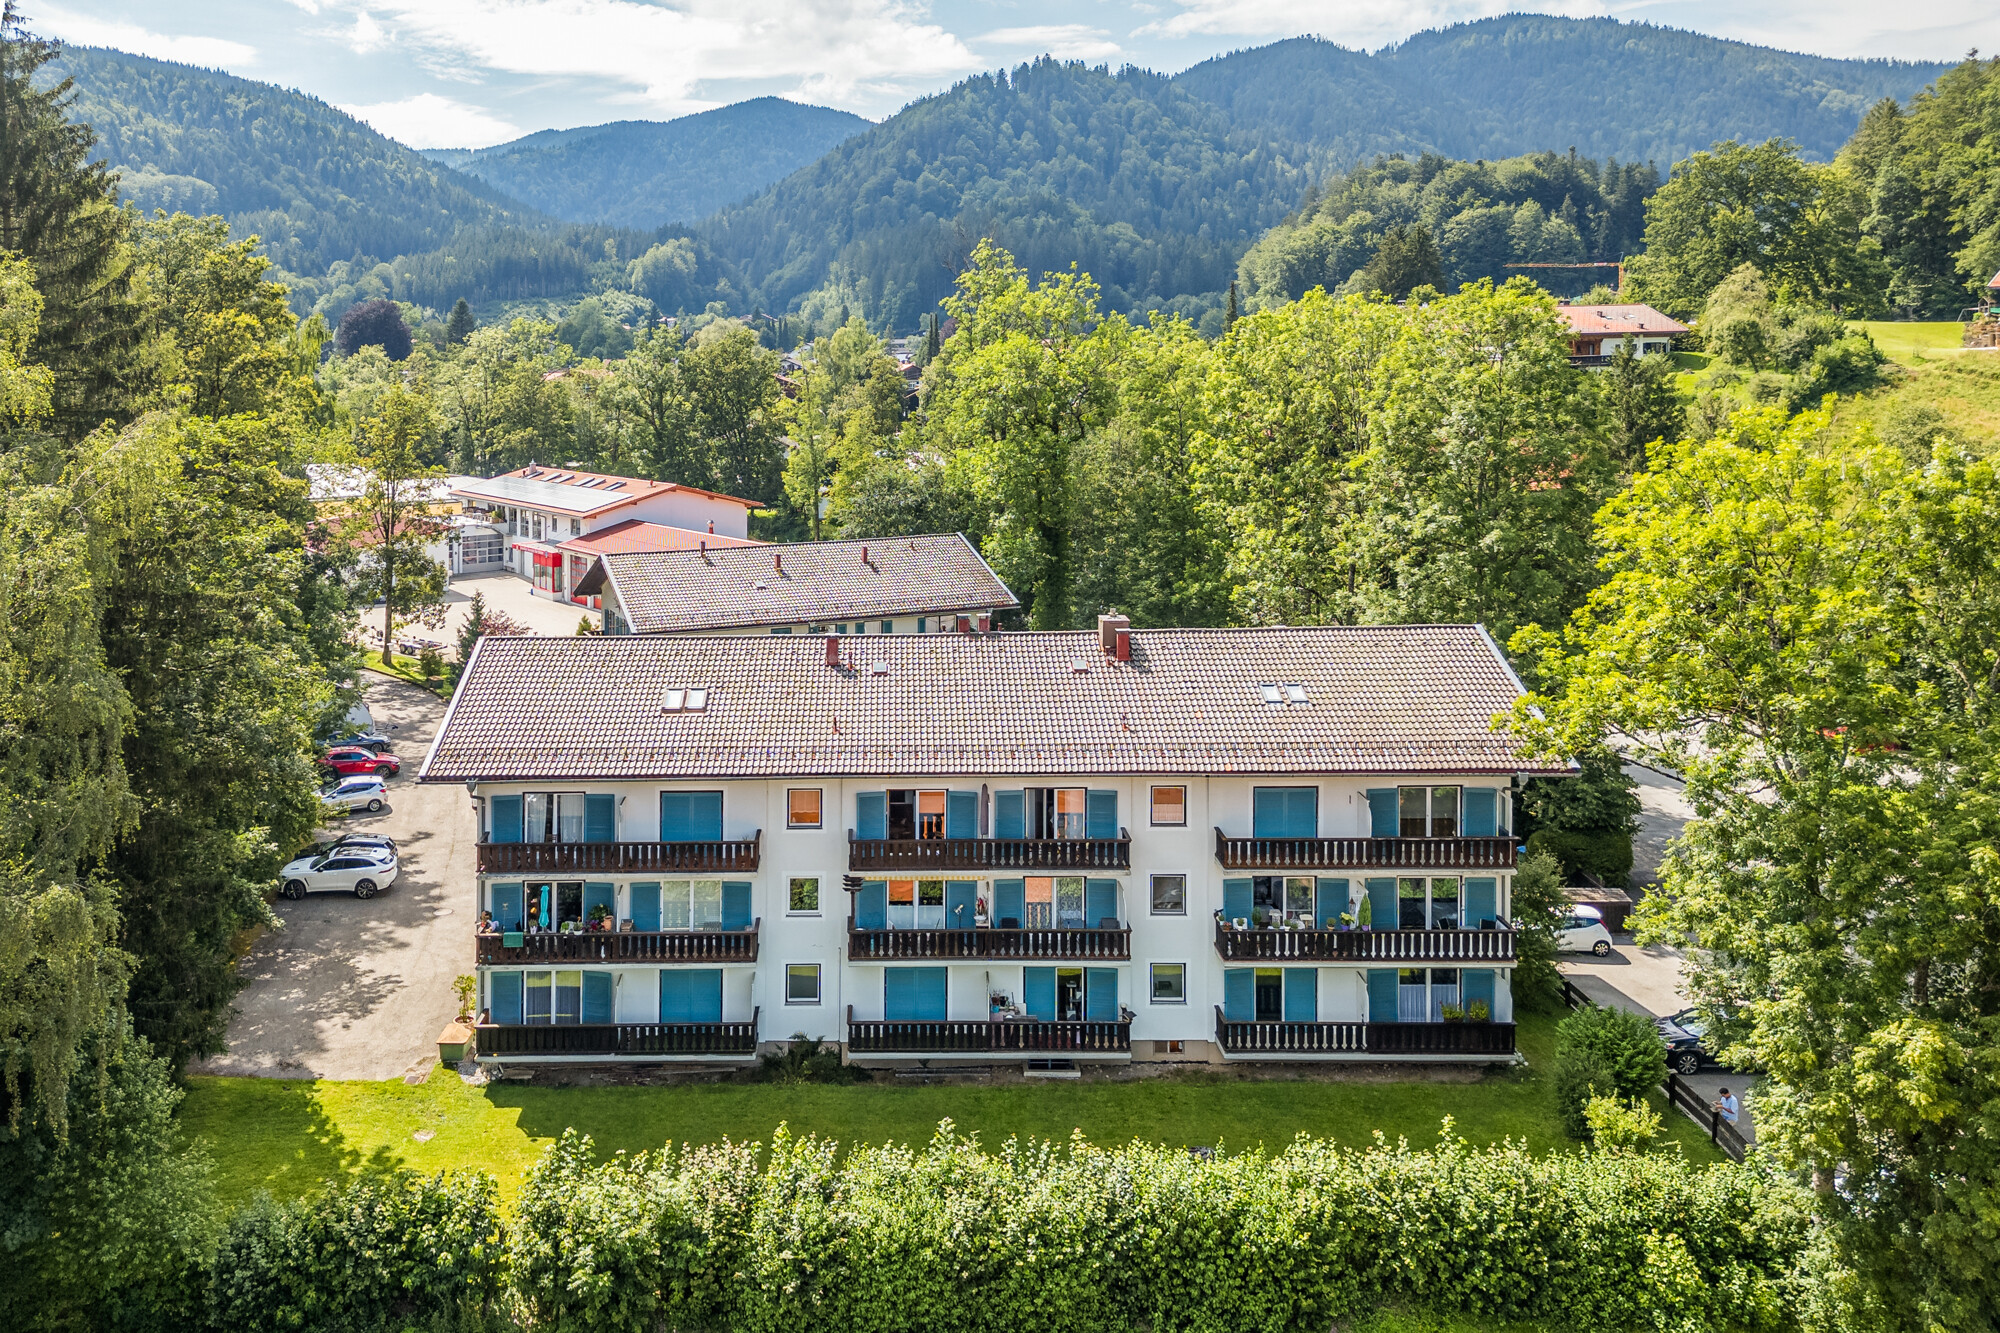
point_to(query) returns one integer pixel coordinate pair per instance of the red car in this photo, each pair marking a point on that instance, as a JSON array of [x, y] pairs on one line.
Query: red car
[[350, 760]]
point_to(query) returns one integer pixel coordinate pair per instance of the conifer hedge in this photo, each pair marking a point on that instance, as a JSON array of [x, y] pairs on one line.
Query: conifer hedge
[[1073, 1237]]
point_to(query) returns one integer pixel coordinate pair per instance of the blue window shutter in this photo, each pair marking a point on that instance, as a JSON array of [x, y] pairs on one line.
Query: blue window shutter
[[1236, 899], [961, 903], [593, 894], [914, 994], [1038, 992], [672, 984], [1381, 994], [1269, 813], [933, 993], [1304, 812], [597, 997], [1481, 902], [871, 814], [1480, 818], [871, 905], [1383, 910], [674, 816], [600, 819], [705, 816], [705, 989], [961, 814], [1100, 994], [1010, 902], [690, 995], [506, 819], [1239, 994], [645, 904], [1382, 818], [1100, 900], [735, 904], [1301, 995], [506, 905], [1102, 818], [1330, 900], [1477, 985], [1010, 819], [503, 996]]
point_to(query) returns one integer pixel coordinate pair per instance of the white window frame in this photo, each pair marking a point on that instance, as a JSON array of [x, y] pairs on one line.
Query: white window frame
[[1153, 804], [1152, 967], [1186, 880], [815, 909], [819, 984], [817, 823]]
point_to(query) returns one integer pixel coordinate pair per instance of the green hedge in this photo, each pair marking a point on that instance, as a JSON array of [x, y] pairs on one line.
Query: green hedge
[[1080, 1238]]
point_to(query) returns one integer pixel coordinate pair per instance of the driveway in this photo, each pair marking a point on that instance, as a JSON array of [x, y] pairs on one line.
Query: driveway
[[347, 989], [512, 595]]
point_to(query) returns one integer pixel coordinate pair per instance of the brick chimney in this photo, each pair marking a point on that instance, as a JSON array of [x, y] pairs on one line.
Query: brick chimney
[[1108, 629], [1124, 645], [832, 651], [778, 561]]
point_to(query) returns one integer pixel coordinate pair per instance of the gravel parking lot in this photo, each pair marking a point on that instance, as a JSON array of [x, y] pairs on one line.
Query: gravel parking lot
[[348, 989]]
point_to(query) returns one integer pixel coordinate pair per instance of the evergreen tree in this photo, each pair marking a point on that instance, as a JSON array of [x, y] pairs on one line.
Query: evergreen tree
[[460, 325], [1229, 320], [1406, 260]]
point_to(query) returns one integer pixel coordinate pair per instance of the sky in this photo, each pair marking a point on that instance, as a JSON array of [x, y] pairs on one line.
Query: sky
[[468, 73]]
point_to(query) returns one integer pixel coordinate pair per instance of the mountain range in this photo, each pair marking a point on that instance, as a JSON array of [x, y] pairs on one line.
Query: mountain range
[[1156, 185]]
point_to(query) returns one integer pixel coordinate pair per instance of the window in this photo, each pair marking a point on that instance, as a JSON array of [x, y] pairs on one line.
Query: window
[[888, 627], [691, 699], [1054, 902], [1285, 897], [1271, 694], [1427, 812], [815, 629], [1169, 983], [804, 897], [1170, 806], [917, 904], [1427, 904], [1170, 895], [923, 624], [1057, 812], [801, 982], [691, 904], [782, 629], [548, 816], [924, 814], [1279, 693], [802, 807]]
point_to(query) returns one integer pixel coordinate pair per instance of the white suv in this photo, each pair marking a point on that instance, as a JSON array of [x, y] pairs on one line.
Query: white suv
[[363, 791], [1583, 931], [362, 871]]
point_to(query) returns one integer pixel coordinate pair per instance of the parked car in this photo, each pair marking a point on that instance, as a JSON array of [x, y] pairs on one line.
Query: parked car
[[358, 841], [372, 741], [1685, 1052], [1583, 931], [362, 871], [352, 759], [361, 792]]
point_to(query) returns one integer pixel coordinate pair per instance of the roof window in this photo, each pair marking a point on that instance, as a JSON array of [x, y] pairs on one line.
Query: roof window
[[1277, 695], [1295, 694], [1272, 694], [691, 699]]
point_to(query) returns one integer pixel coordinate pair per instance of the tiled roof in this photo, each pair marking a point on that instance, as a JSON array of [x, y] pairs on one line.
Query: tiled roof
[[1382, 699], [572, 492], [802, 583], [1618, 320], [635, 534]]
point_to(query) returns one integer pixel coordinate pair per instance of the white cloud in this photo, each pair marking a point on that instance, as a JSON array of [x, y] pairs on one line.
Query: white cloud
[[430, 121], [1065, 41], [86, 30], [662, 53], [365, 35]]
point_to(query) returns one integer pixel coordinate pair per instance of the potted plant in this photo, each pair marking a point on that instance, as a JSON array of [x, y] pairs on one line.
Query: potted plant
[[1477, 1012], [1451, 1013], [1347, 921], [1367, 914], [1260, 917], [466, 988], [599, 914]]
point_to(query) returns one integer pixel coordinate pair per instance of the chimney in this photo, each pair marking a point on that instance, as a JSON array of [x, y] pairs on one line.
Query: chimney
[[1124, 653], [778, 561], [1108, 627], [832, 651], [711, 527], [864, 555]]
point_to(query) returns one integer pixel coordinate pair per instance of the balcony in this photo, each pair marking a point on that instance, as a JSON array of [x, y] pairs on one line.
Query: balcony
[[627, 946], [1365, 1039], [1450, 947], [686, 858], [619, 1039], [981, 1037], [938, 856], [1391, 854], [1054, 942]]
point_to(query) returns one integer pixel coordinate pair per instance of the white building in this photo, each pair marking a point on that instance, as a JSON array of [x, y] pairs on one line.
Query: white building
[[1597, 330]]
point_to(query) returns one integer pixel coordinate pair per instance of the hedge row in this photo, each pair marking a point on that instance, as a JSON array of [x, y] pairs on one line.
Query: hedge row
[[1060, 1238]]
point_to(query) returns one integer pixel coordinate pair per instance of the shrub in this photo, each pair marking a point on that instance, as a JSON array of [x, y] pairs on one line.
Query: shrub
[[1539, 908], [1621, 1126], [1606, 1053], [377, 323], [430, 663], [1606, 854], [807, 1060]]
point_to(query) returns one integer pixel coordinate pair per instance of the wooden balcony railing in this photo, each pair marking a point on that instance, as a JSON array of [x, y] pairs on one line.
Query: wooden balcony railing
[[630, 946], [1060, 942], [1241, 1037], [556, 858], [926, 856], [1366, 946], [619, 1039], [1364, 853], [980, 1037]]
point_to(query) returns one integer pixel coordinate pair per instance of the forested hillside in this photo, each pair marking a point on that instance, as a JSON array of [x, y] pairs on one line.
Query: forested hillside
[[643, 173]]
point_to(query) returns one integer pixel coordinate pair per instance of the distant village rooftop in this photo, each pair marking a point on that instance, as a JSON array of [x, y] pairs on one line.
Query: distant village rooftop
[[1619, 321], [636, 536], [569, 491]]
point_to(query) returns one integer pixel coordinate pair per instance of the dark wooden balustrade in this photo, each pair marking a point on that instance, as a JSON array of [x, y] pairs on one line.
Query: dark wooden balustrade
[[1365, 946], [630, 946], [1244, 1037], [619, 1039], [1061, 942], [557, 858], [980, 1037], [939, 856], [1364, 853]]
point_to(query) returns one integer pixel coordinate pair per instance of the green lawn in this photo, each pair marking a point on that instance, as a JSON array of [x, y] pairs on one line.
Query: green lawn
[[1964, 389], [1906, 342], [288, 1135]]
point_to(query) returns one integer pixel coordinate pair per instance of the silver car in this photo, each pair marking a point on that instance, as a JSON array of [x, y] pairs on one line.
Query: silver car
[[361, 871], [363, 791]]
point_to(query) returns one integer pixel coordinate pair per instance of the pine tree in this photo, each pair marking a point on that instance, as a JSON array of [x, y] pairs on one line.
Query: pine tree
[[1229, 320], [459, 326]]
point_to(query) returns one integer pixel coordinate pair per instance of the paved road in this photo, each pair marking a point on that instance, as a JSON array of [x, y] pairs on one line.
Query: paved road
[[359, 990]]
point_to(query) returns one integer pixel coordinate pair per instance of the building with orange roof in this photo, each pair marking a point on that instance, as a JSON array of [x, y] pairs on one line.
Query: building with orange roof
[[1596, 330]]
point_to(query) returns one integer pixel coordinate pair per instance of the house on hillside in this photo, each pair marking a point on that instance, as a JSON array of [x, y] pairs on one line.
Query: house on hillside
[[966, 848], [895, 585], [537, 509], [1596, 331]]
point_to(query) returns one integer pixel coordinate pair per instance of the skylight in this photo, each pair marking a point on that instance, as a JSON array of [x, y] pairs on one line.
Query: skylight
[[1295, 694], [689, 699], [1278, 694], [1272, 694]]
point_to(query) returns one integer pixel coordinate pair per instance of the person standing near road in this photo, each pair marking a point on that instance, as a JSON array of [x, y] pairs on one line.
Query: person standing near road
[[1728, 1105]]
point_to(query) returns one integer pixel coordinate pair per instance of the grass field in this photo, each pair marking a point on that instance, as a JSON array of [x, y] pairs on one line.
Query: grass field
[[288, 1135], [1908, 342], [1964, 390]]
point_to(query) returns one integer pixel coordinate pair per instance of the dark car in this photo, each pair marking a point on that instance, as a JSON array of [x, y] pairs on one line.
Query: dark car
[[1684, 1032], [373, 742], [349, 760]]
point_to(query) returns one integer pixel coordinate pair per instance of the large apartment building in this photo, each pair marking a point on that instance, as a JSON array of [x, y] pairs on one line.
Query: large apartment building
[[1184, 844]]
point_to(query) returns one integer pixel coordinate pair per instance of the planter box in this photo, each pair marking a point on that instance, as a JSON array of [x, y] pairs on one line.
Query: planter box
[[454, 1043]]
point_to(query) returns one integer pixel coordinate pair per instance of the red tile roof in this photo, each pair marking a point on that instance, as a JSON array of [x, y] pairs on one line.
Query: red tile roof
[[637, 535], [570, 491], [1618, 320]]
